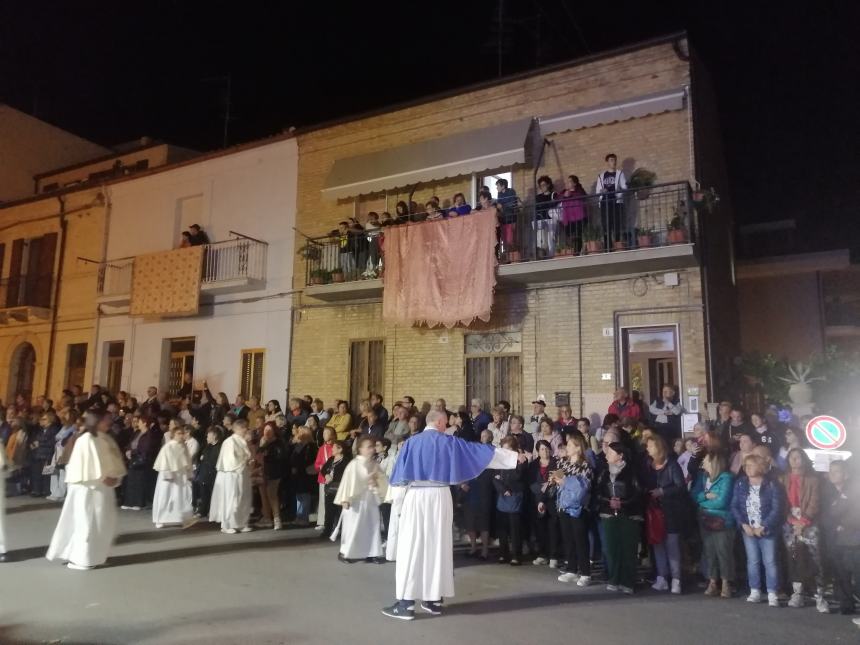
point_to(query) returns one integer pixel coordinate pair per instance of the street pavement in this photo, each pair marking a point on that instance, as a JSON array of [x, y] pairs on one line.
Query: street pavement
[[199, 586]]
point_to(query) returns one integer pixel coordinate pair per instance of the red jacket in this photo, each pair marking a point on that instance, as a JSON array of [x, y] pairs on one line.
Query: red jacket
[[629, 409], [324, 452]]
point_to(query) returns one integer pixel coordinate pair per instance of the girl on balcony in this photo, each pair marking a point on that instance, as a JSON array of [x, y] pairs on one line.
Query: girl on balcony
[[573, 214], [546, 218]]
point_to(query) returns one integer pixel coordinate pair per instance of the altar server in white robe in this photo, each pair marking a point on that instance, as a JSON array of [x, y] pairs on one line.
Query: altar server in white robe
[[172, 505], [3, 470], [232, 491], [427, 465], [360, 493], [87, 525]]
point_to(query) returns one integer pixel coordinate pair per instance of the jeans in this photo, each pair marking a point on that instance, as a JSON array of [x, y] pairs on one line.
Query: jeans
[[509, 525], [303, 506], [761, 550], [667, 556]]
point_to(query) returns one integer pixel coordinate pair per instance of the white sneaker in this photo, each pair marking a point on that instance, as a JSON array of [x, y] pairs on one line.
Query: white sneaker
[[229, 531], [159, 526], [676, 586], [78, 567], [553, 563], [755, 596], [539, 561], [796, 600], [660, 584], [568, 577], [856, 621], [245, 529], [583, 581], [821, 605], [611, 587], [277, 526], [626, 590], [318, 528], [772, 599]]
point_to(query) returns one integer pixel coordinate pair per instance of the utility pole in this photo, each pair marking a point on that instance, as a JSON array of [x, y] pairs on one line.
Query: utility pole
[[501, 35]]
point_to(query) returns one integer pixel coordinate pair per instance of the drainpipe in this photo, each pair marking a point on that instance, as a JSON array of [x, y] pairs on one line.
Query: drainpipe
[[102, 267], [56, 298], [579, 332]]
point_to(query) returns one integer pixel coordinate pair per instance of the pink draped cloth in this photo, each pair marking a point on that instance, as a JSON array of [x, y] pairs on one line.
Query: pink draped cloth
[[442, 272]]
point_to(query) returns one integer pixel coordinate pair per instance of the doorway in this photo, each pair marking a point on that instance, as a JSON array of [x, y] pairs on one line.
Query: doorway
[[650, 360], [180, 362], [22, 370], [115, 353]]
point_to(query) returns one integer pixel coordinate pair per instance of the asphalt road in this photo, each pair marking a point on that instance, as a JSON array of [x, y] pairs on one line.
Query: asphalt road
[[199, 586]]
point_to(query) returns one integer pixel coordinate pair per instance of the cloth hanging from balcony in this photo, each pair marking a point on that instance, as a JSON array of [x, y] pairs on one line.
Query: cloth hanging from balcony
[[442, 272], [167, 283]]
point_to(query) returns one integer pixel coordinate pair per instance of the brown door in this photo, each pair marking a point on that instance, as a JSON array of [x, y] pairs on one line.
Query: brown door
[[14, 287]]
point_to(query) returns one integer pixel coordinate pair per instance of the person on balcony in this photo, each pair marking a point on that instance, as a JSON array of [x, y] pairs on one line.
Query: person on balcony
[[461, 207], [401, 213], [345, 249], [546, 218], [198, 235], [609, 184], [373, 230], [573, 214], [432, 212], [359, 246], [508, 204]]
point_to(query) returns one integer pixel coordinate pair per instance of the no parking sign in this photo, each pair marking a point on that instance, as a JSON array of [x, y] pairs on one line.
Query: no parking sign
[[825, 433]]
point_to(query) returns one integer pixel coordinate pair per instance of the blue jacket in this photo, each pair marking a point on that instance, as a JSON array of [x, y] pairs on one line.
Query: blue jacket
[[480, 423], [772, 504], [722, 488]]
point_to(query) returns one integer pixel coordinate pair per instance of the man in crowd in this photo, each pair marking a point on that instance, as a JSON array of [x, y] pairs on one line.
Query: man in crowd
[[376, 405], [624, 406], [151, 406], [538, 413], [524, 439], [296, 413], [239, 407], [375, 428], [480, 418]]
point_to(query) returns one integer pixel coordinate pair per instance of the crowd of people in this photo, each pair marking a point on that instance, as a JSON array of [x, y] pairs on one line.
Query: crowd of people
[[737, 501], [560, 219]]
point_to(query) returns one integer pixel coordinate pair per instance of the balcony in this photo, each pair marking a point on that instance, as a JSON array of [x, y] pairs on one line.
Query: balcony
[[25, 299], [842, 318], [230, 266], [644, 230]]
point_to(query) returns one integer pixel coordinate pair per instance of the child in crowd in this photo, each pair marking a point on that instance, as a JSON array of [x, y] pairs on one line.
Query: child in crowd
[[510, 488], [324, 452], [385, 459], [362, 488], [332, 471], [684, 458], [231, 494], [272, 452], [204, 477], [478, 507], [171, 505]]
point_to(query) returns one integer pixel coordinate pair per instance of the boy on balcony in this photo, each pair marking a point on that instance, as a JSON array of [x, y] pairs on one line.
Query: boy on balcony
[[347, 259], [609, 183]]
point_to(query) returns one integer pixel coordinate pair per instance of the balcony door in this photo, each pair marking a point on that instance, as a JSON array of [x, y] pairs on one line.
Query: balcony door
[[181, 362], [115, 352], [22, 369], [650, 359], [493, 369]]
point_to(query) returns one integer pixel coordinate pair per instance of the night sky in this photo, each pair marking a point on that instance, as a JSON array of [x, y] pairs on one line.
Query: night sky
[[787, 78]]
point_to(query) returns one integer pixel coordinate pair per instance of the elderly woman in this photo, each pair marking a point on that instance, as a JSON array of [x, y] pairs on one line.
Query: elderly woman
[[302, 473], [341, 422], [712, 492], [745, 447], [498, 426], [619, 499]]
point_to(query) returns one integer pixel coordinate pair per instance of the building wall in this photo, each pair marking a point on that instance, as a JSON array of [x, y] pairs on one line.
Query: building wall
[[252, 192], [29, 146], [430, 363]]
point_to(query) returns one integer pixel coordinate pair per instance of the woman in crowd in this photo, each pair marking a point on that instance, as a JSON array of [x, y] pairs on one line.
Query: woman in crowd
[[792, 440], [341, 422], [547, 432], [414, 424], [546, 219], [316, 429], [332, 471], [666, 414], [319, 412], [510, 487], [712, 492], [498, 426], [478, 507], [69, 419], [840, 524], [745, 447], [172, 504], [232, 493], [762, 434], [801, 529], [667, 496], [544, 511], [273, 409], [324, 453], [584, 427], [140, 482], [401, 213], [87, 524], [573, 213], [362, 489], [757, 508], [574, 481], [272, 452], [619, 499], [302, 473], [204, 476]]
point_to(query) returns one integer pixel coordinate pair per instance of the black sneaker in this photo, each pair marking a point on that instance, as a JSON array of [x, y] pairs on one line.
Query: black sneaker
[[434, 608], [399, 611]]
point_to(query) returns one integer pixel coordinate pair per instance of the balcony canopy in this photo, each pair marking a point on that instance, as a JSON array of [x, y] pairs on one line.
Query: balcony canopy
[[657, 103], [457, 154]]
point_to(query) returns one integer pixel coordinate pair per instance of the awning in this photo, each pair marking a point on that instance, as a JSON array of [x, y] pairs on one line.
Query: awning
[[457, 154], [666, 101]]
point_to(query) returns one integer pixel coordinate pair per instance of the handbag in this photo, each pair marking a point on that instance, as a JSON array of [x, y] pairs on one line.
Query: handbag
[[509, 503], [331, 488], [655, 524], [711, 522]]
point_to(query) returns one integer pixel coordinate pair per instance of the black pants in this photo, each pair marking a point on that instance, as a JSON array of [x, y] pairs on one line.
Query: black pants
[[40, 485], [204, 494], [846, 576], [612, 216], [546, 531], [385, 517], [574, 533], [509, 526], [332, 515]]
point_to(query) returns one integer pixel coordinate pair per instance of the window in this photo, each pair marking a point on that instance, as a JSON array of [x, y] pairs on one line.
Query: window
[[490, 182], [650, 359], [31, 272], [115, 352], [189, 210], [76, 364], [366, 358], [181, 362], [493, 371], [251, 379]]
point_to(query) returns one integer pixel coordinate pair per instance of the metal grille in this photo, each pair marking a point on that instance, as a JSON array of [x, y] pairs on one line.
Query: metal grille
[[493, 379], [366, 362]]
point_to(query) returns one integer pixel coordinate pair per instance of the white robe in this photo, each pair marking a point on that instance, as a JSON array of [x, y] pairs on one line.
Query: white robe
[[395, 498], [87, 524], [359, 525], [425, 544], [232, 492], [3, 469], [171, 503]]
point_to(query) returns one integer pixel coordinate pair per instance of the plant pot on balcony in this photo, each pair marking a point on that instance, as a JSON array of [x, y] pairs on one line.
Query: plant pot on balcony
[[643, 241], [676, 235], [593, 246], [337, 276], [564, 252], [316, 280], [619, 245], [514, 256]]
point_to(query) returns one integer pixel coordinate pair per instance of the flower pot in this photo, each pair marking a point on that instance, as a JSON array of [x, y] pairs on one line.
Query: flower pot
[[316, 280], [677, 236], [800, 395], [337, 277], [593, 246], [619, 245], [513, 256], [643, 241]]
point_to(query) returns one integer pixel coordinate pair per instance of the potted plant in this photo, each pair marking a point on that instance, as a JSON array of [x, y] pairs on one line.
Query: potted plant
[[514, 255], [677, 232], [644, 237], [640, 181], [800, 385], [337, 274], [706, 199], [310, 251], [619, 245], [319, 276], [593, 238], [564, 250]]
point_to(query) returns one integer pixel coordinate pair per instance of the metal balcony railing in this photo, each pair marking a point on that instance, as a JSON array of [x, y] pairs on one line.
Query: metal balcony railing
[[26, 291], [640, 218], [115, 278], [242, 258]]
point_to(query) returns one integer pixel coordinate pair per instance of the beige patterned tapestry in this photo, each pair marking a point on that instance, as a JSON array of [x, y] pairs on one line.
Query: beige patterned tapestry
[[167, 283]]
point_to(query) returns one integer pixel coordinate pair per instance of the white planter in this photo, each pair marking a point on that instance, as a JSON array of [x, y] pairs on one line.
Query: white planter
[[800, 395]]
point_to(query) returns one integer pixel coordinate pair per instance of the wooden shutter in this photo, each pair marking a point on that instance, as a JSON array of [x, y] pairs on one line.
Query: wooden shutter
[[14, 286], [47, 248]]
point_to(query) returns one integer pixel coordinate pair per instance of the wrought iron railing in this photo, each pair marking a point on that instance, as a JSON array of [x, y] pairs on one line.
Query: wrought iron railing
[[115, 277]]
